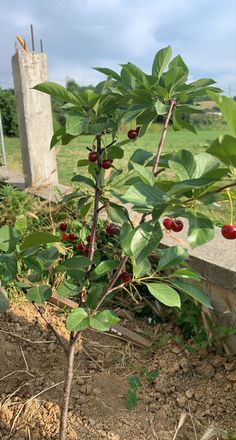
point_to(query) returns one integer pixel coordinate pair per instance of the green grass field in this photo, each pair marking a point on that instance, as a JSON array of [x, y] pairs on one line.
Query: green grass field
[[68, 155]]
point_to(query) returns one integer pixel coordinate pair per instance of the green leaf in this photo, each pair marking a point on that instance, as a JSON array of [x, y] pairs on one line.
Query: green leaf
[[144, 173], [186, 273], [173, 77], [161, 108], [160, 61], [21, 223], [178, 62], [75, 124], [8, 268], [108, 72], [74, 263], [165, 294], [228, 108], [144, 195], [145, 239], [139, 156], [187, 185], [125, 237], [201, 229], [85, 210], [142, 268], [84, 180], [94, 294], [117, 213], [131, 398], [103, 321], [194, 292], [83, 163], [66, 290], [39, 294], [114, 152], [134, 382], [137, 73], [77, 320], [151, 376], [37, 238], [103, 268], [57, 91], [172, 256], [225, 149], [4, 302], [9, 238], [183, 164], [57, 136]]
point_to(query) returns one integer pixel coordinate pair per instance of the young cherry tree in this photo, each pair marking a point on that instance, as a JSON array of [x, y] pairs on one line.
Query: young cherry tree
[[95, 261]]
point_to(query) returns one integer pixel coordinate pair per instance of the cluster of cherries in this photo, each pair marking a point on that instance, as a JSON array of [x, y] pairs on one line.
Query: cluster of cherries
[[106, 164], [173, 225]]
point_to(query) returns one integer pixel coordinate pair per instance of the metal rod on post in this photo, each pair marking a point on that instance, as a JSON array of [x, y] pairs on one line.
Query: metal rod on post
[[32, 37], [2, 143], [41, 45]]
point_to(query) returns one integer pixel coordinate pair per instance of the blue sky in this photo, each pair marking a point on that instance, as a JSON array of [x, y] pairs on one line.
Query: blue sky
[[80, 34]]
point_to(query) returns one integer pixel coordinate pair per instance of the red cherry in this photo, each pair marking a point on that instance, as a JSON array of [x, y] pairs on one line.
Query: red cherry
[[86, 251], [63, 227], [132, 134], [80, 247], [177, 225], [64, 237], [229, 232], [106, 164], [112, 230], [88, 238], [168, 223], [92, 156], [125, 277], [72, 237]]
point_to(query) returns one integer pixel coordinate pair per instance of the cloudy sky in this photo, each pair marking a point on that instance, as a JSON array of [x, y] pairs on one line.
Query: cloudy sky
[[80, 34]]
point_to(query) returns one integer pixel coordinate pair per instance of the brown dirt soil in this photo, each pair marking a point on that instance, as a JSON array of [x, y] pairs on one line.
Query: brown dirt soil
[[201, 385]]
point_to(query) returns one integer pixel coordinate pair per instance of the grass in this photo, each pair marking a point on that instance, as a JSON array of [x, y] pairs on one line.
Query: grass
[[68, 155]]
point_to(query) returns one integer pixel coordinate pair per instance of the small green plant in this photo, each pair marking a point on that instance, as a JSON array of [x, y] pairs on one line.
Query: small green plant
[[131, 397]]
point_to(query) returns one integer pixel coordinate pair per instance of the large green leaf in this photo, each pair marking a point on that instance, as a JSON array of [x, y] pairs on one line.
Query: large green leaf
[[137, 73], [66, 289], [113, 152], [125, 237], [165, 294], [187, 185], [145, 239], [74, 263], [173, 77], [139, 156], [171, 257], [186, 273], [144, 195], [160, 61], [201, 229], [94, 294], [178, 62], [108, 72], [4, 302], [8, 268], [228, 108], [225, 149], [77, 320], [160, 108], [58, 91], [9, 238], [144, 173], [84, 180], [37, 238], [39, 294], [142, 268], [103, 321], [194, 292], [103, 268], [75, 124], [183, 164], [117, 213]]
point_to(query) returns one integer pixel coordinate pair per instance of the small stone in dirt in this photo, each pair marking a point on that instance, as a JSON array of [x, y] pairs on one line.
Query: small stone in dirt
[[181, 401], [206, 371], [80, 381], [184, 363], [176, 350], [97, 391], [8, 353], [232, 376], [92, 422], [189, 394], [230, 366]]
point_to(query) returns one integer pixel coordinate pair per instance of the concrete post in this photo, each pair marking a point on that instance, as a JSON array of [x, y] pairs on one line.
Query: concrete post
[[34, 119]]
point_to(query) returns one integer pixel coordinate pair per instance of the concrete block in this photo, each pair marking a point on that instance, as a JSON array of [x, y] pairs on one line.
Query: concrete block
[[34, 119]]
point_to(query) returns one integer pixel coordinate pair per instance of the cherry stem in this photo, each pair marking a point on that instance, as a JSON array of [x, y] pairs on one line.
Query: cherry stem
[[231, 207], [96, 205], [163, 136]]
